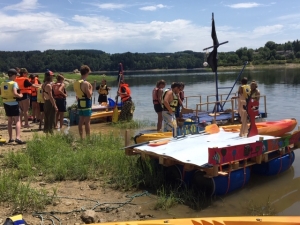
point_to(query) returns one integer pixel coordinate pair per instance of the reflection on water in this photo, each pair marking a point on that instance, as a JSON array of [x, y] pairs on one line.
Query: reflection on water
[[281, 86]]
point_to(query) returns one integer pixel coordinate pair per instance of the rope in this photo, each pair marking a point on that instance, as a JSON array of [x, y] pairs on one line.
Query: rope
[[280, 162], [245, 174], [228, 180], [42, 215]]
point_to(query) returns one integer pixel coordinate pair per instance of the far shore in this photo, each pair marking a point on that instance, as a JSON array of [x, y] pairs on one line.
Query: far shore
[[220, 68]]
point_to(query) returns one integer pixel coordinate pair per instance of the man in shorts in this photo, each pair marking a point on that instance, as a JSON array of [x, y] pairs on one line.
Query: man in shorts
[[9, 93], [84, 91]]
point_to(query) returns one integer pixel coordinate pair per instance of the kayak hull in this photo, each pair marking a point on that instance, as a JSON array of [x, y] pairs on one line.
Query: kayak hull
[[272, 128], [249, 220]]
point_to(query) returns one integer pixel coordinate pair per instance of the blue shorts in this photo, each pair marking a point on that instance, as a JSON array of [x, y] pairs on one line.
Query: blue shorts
[[84, 112]]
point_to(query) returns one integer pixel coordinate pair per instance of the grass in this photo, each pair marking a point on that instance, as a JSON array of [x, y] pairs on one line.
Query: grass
[[133, 124], [264, 209]]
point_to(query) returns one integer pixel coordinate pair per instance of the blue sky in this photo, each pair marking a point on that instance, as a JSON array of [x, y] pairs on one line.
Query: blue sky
[[145, 26]]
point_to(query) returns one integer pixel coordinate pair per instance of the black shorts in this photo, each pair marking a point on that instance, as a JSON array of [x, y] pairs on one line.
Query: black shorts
[[33, 98], [61, 104], [25, 96], [102, 98], [41, 107], [11, 110], [158, 108]]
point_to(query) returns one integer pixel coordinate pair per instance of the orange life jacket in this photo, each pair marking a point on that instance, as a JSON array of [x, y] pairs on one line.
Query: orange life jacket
[[33, 89], [56, 92], [20, 81], [124, 97]]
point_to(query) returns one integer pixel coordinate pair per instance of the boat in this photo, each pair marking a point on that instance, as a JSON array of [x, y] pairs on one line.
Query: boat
[[272, 128], [102, 114], [219, 162], [249, 220]]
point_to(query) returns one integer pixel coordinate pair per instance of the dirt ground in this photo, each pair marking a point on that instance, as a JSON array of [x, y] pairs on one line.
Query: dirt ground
[[76, 197]]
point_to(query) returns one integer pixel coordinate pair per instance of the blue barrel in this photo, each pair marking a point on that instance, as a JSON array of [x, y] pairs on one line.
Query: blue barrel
[[112, 103], [237, 179], [274, 166]]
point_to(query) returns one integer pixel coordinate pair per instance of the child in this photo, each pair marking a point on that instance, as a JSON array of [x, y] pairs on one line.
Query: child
[[60, 95], [40, 101], [103, 92]]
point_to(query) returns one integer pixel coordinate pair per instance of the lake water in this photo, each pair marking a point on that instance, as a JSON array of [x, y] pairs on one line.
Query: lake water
[[282, 88]]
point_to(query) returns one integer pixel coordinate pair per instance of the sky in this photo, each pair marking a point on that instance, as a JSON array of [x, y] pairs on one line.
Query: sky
[[145, 26]]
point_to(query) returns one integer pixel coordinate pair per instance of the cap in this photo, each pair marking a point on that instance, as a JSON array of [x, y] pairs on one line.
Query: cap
[[49, 73], [23, 70], [11, 72]]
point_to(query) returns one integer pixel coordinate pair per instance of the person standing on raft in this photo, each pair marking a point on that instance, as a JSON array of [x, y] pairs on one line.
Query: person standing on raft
[[243, 95], [84, 91], [157, 102], [170, 101]]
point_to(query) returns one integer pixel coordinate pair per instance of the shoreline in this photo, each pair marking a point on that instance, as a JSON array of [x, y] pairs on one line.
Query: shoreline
[[221, 68]]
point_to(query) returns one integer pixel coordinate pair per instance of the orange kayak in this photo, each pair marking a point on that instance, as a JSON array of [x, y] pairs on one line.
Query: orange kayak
[[243, 220], [272, 128]]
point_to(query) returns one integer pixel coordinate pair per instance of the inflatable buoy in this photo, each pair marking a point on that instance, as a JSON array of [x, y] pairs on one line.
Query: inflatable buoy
[[2, 141]]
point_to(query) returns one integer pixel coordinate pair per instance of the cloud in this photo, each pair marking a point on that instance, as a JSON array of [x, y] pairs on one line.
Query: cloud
[[153, 7], [110, 6], [245, 5], [267, 30], [24, 5]]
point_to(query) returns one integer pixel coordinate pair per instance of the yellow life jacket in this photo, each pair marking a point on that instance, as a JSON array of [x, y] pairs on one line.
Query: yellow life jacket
[[7, 92], [103, 90], [173, 104], [83, 101], [246, 90], [40, 98]]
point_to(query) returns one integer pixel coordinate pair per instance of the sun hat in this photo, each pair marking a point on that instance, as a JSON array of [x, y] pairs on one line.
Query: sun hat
[[11, 72]]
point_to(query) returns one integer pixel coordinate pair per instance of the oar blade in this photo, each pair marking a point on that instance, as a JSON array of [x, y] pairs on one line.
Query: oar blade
[[115, 115]]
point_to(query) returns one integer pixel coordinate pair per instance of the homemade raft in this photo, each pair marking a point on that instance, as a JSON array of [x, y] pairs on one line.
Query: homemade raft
[[220, 163]]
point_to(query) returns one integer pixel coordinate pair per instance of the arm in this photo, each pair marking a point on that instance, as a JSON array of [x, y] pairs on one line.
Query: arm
[[159, 95], [49, 90], [15, 90], [168, 98], [28, 84], [61, 90]]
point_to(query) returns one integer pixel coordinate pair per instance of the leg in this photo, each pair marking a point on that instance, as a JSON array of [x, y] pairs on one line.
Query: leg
[[56, 120], [87, 124], [26, 103], [21, 111], [9, 126], [80, 124], [61, 119], [18, 126], [159, 121]]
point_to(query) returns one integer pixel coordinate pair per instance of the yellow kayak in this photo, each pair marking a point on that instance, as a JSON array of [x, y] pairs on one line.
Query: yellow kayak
[[272, 128], [102, 114], [247, 220]]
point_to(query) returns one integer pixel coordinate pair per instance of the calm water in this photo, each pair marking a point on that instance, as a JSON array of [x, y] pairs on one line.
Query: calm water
[[281, 86]]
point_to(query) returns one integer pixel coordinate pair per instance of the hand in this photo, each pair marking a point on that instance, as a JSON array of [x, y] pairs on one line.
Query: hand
[[171, 112], [56, 109], [21, 95]]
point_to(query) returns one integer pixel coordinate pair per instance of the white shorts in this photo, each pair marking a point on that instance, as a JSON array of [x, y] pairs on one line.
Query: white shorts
[[169, 120]]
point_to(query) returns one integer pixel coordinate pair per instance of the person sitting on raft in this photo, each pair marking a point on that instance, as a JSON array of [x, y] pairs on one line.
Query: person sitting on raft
[[103, 92], [170, 100]]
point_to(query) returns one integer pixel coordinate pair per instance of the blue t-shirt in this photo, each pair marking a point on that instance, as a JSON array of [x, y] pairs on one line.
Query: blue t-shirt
[[14, 86]]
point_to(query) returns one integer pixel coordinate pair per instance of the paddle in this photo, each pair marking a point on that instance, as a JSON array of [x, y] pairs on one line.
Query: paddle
[[115, 115]]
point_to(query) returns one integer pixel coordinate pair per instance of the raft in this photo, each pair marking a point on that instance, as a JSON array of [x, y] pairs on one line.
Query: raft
[[272, 128], [243, 220]]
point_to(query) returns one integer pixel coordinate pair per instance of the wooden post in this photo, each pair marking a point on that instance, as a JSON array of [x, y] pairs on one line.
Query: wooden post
[[127, 137]]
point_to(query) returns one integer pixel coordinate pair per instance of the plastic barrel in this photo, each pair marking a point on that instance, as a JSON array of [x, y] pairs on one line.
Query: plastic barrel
[[112, 103], [237, 179], [274, 166]]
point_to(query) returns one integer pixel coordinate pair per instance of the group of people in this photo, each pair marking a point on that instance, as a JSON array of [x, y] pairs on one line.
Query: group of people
[[47, 101], [167, 104]]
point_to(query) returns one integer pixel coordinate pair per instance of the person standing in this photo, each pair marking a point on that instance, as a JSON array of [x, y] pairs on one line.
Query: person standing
[[25, 89], [60, 95], [255, 93], [84, 91], [33, 98], [127, 104], [243, 94], [103, 92], [181, 99], [50, 107], [9, 92], [157, 102], [40, 101], [170, 100]]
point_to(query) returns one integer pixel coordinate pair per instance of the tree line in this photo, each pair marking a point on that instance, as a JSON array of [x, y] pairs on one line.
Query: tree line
[[69, 60]]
